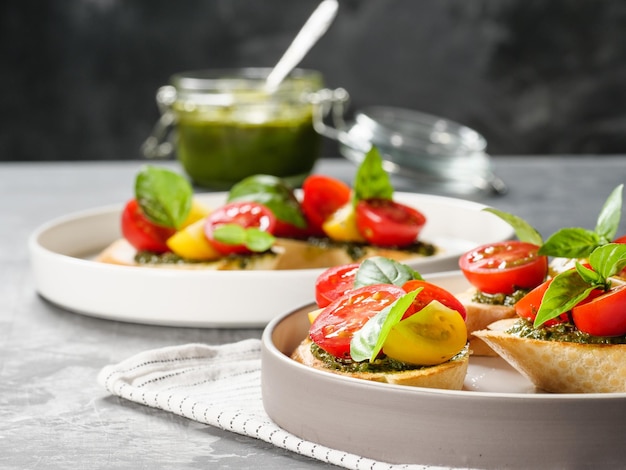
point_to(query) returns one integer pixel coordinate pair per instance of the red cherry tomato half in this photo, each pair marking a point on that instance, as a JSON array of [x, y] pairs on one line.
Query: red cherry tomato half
[[246, 214], [384, 222], [334, 282], [602, 313], [501, 268], [429, 293], [335, 326], [321, 197], [141, 233]]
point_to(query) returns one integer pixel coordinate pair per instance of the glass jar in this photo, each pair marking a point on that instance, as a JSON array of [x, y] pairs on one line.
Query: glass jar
[[226, 126]]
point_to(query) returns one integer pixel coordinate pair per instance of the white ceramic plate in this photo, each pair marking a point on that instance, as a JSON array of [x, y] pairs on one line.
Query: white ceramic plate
[[498, 421], [62, 249]]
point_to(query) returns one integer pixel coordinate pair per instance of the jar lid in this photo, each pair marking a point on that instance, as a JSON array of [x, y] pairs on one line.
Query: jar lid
[[438, 154]]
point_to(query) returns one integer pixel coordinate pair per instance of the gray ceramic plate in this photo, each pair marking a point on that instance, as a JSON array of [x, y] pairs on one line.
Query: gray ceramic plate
[[499, 420]]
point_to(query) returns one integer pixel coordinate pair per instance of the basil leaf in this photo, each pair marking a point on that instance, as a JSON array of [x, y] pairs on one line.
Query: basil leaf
[[164, 196], [258, 240], [608, 220], [252, 238], [564, 292], [524, 231], [273, 193], [372, 181], [608, 259], [380, 270], [231, 234], [368, 341], [588, 275], [570, 243]]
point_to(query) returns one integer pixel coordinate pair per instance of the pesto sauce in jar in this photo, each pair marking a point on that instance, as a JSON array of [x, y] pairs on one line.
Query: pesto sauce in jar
[[218, 154], [227, 126], [566, 332]]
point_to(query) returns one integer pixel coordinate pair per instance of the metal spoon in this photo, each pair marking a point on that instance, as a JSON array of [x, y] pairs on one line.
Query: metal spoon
[[313, 29]]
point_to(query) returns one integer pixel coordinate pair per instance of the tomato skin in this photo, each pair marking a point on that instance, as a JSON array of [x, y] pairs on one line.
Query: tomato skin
[[429, 293], [246, 214], [141, 233], [334, 328], [334, 282], [602, 313], [321, 197], [384, 222], [503, 267]]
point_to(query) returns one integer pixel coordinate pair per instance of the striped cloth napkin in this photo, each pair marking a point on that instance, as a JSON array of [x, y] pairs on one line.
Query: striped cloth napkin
[[219, 386]]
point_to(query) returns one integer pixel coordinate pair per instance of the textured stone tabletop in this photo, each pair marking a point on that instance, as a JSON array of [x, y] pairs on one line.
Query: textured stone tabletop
[[54, 415]]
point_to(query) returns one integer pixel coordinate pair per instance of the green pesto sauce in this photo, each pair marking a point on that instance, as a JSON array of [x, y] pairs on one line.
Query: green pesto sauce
[[381, 364], [561, 332], [218, 152], [356, 251], [499, 299], [235, 261]]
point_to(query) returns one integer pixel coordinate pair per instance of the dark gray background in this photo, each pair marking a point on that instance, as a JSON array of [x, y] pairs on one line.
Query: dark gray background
[[78, 77]]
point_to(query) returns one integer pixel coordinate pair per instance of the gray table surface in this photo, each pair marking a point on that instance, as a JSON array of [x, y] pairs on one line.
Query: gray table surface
[[53, 412]]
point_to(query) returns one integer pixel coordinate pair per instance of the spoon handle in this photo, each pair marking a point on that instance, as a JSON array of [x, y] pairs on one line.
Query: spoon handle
[[313, 29]]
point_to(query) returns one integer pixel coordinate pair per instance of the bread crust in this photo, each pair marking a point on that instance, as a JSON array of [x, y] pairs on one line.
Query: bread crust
[[449, 375], [478, 317], [559, 366]]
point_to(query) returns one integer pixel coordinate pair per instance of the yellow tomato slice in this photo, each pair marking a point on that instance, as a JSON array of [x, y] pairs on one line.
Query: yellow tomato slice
[[314, 314], [431, 336], [341, 225], [198, 211], [191, 243]]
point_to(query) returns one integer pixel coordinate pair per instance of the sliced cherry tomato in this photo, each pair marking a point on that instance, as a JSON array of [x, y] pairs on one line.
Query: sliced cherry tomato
[[247, 214], [141, 233], [384, 222], [321, 197], [334, 282], [602, 313], [503, 267], [334, 328], [429, 293]]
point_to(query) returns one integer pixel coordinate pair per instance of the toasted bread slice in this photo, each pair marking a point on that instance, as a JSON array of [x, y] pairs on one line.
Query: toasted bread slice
[[449, 375], [478, 317], [122, 253], [286, 254], [559, 366]]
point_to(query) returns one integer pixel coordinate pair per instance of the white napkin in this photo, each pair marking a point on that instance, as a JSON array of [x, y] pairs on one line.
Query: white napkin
[[219, 386]]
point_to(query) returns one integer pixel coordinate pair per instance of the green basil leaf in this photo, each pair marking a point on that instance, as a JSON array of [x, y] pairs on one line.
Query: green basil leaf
[[368, 341], [570, 243], [608, 220], [524, 231], [564, 292], [258, 240], [381, 270], [231, 234], [371, 180], [273, 193], [164, 196], [589, 275], [608, 259], [252, 238]]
